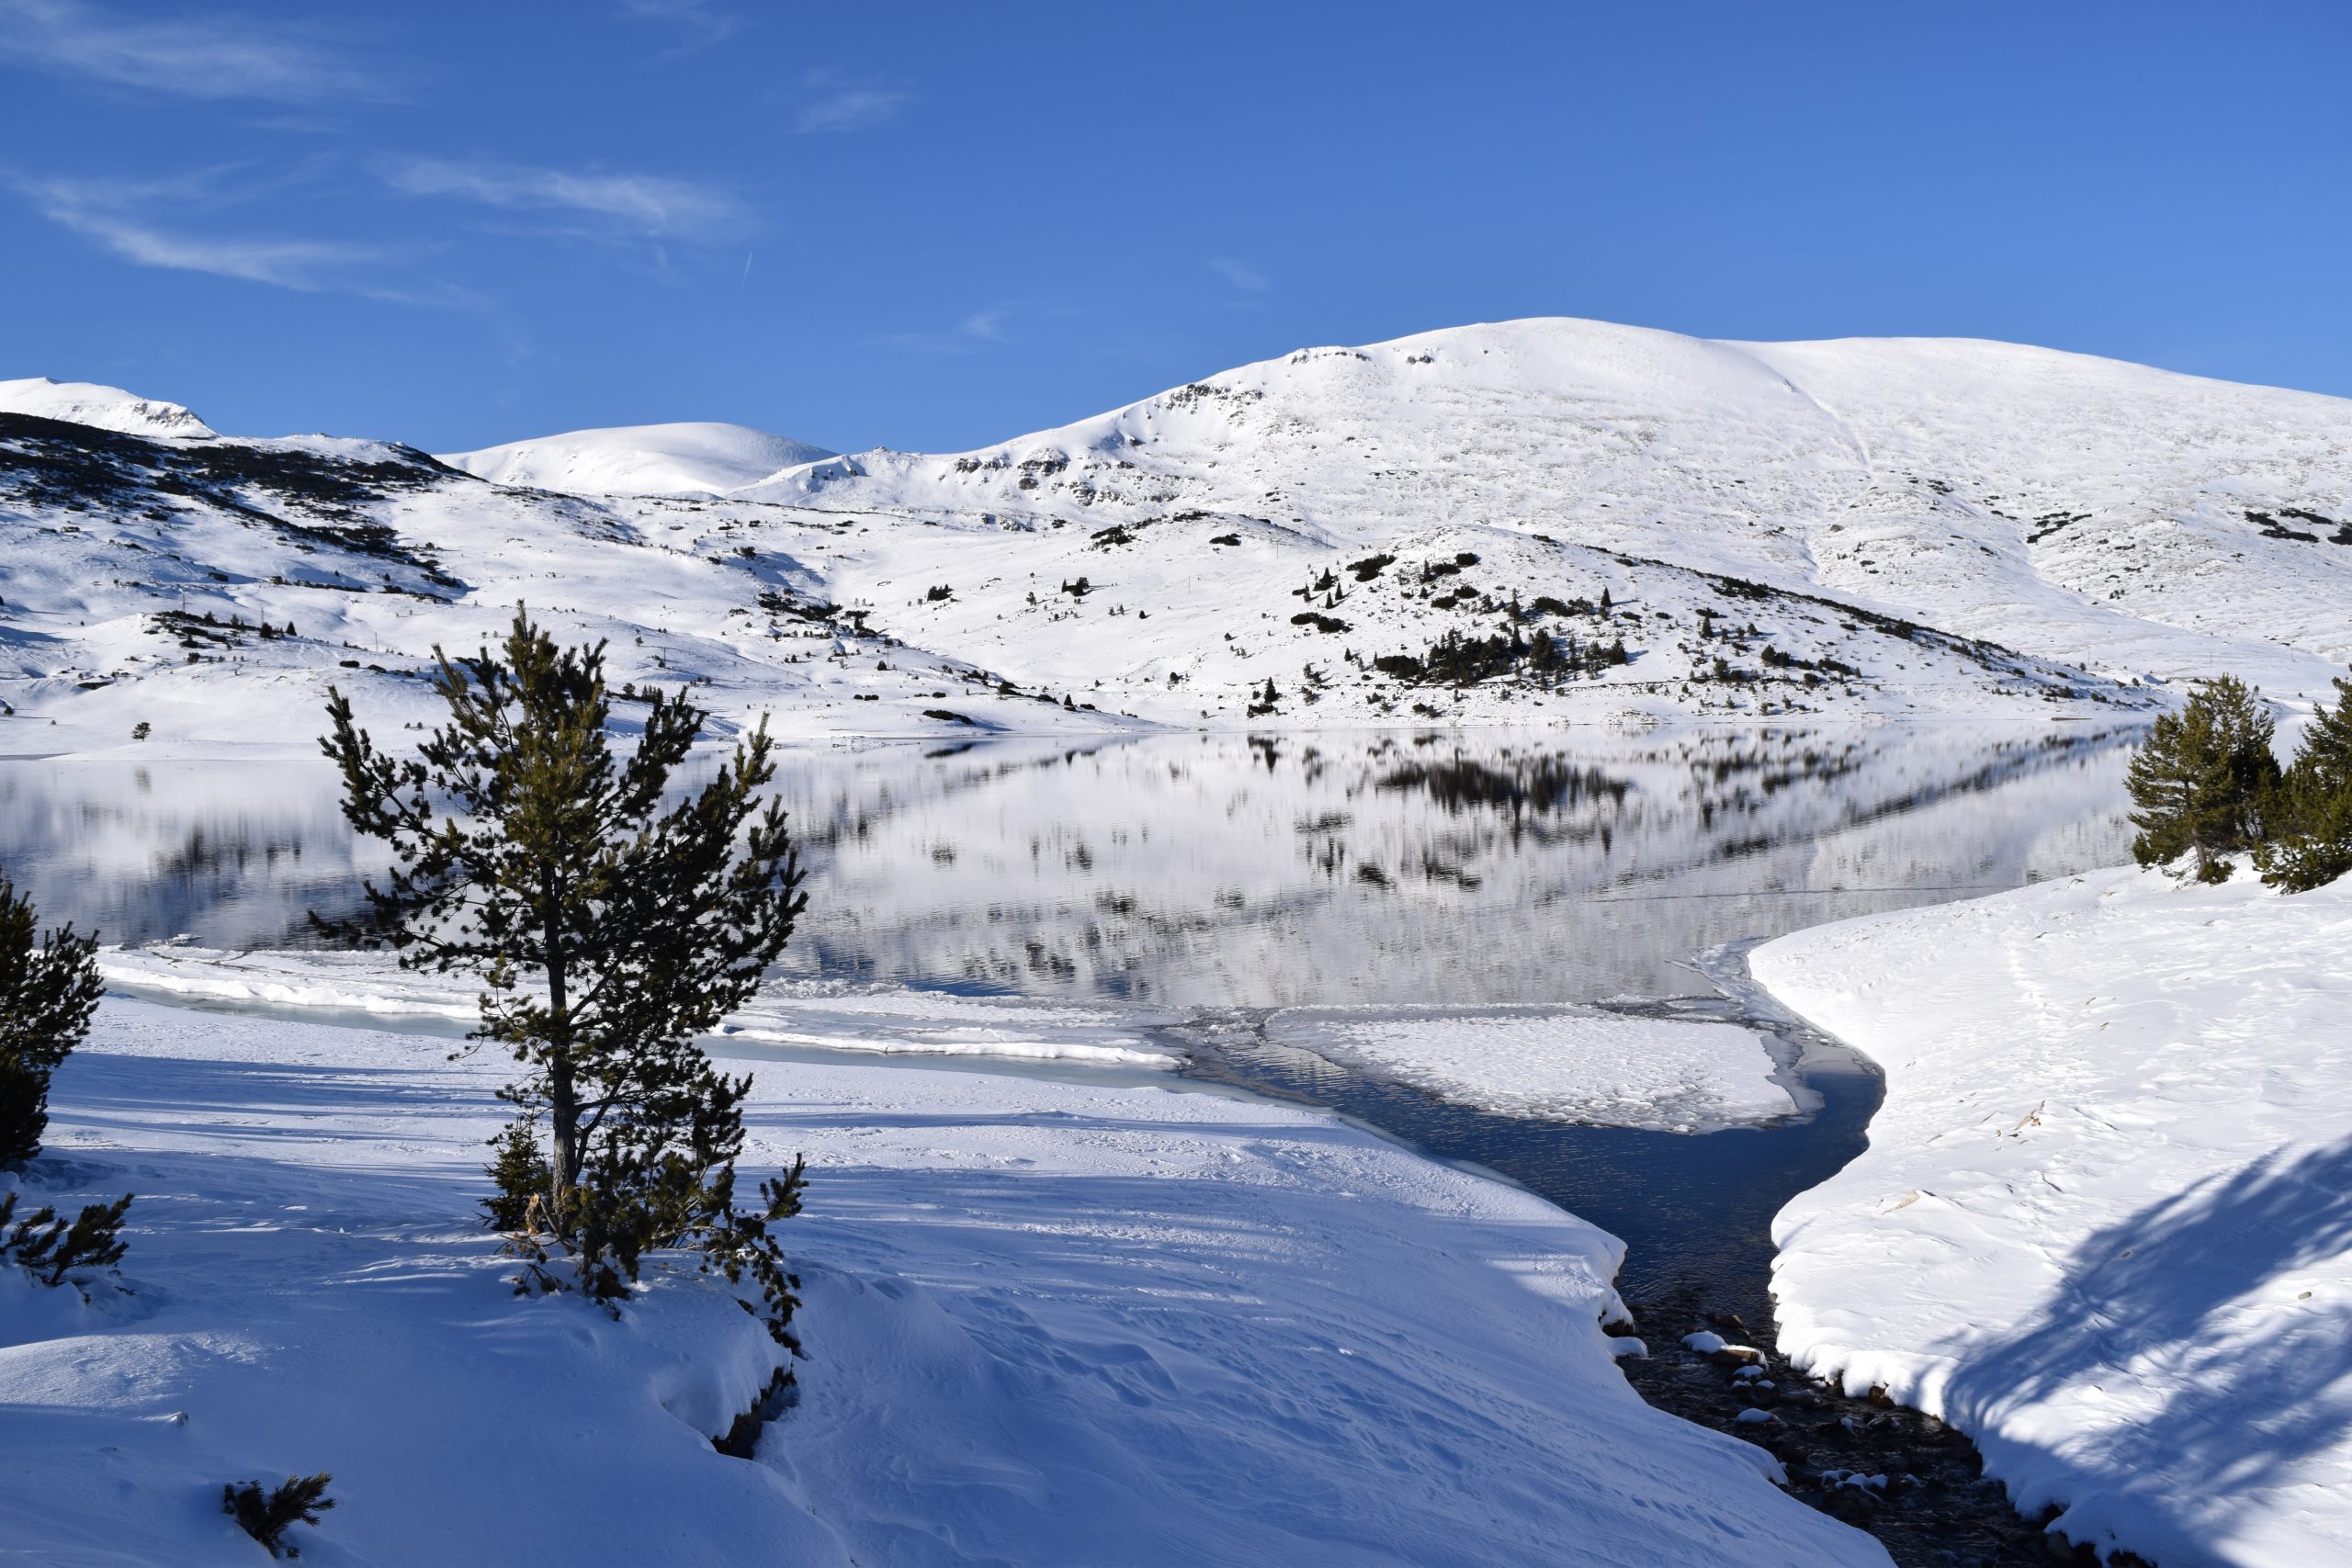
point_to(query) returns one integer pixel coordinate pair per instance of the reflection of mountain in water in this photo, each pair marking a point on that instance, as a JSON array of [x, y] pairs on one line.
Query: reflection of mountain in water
[[1568, 865], [1493, 867], [233, 852]]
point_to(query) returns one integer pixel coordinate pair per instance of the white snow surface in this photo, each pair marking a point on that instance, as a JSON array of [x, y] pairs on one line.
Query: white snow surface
[[1048, 1325], [1910, 528], [108, 407], [1569, 1064], [818, 1015], [2102, 1223], [691, 459]]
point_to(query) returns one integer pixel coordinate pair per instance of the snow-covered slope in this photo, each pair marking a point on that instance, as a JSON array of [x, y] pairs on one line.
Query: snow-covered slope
[[639, 459], [1531, 521], [1054, 1324], [2102, 1222], [108, 408]]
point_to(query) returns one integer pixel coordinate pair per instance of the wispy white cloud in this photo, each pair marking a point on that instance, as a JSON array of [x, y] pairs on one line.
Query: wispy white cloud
[[696, 24], [653, 204], [1241, 275], [208, 57], [146, 224], [969, 335], [833, 101]]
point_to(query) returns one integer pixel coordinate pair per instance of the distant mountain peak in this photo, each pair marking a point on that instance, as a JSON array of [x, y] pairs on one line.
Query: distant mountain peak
[[691, 458], [107, 408]]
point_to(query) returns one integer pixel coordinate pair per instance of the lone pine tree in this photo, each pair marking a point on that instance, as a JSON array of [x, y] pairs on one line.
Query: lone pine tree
[[2310, 843], [2203, 778], [608, 928]]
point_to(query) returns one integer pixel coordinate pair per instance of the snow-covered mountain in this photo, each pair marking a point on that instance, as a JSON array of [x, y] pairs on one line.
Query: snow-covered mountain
[[2088, 510], [639, 459], [108, 408], [1520, 522]]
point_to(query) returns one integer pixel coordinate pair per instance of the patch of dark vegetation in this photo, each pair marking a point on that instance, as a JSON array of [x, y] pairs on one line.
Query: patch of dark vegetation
[[1371, 566], [2273, 528], [1319, 621]]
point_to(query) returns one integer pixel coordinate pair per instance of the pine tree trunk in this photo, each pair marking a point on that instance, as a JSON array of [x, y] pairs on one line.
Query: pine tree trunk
[[563, 1098]]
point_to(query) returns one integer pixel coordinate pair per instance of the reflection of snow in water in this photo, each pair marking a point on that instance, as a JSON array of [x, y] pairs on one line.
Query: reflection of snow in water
[[1214, 870]]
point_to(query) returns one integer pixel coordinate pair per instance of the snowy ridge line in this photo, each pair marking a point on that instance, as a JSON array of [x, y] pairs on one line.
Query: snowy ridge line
[[878, 1021], [2101, 1222]]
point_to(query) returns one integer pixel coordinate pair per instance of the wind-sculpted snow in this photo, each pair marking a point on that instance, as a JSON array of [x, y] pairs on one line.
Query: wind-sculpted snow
[[1527, 523], [1048, 1323], [2102, 1222]]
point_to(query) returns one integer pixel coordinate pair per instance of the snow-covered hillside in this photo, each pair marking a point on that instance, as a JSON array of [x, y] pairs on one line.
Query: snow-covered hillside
[[639, 459], [1536, 520]]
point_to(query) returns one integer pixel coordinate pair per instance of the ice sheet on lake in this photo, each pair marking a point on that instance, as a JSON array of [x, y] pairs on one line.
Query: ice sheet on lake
[[1574, 1064], [884, 1019]]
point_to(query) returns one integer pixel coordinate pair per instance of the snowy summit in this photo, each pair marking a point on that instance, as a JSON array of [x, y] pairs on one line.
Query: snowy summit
[[639, 459]]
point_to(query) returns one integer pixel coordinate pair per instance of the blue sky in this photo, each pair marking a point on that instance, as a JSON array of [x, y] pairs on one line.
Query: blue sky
[[933, 226]]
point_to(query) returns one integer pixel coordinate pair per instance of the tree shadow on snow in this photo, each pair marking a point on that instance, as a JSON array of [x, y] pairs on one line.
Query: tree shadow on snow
[[2165, 1295]]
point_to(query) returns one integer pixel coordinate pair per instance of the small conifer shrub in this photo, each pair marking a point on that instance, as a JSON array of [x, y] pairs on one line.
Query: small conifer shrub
[[51, 1250], [266, 1517]]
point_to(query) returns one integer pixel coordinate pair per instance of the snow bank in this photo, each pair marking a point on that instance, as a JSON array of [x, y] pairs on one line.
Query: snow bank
[[1049, 1324], [2103, 1222], [1571, 1064], [886, 1021]]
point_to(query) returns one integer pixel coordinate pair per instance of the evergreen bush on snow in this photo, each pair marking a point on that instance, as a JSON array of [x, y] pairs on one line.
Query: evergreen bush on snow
[[266, 1517]]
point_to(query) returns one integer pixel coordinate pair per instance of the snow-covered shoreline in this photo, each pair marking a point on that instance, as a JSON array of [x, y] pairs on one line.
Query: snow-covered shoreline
[[2101, 1224], [1239, 1331]]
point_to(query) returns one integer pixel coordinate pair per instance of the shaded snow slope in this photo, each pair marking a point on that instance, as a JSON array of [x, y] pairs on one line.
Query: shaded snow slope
[[1530, 522], [1048, 1324], [639, 459], [2102, 1222], [108, 407]]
